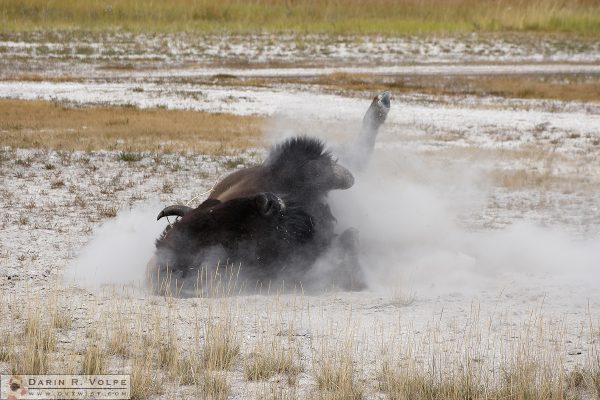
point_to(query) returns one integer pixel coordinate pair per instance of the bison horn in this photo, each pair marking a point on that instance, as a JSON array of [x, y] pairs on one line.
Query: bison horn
[[177, 210]]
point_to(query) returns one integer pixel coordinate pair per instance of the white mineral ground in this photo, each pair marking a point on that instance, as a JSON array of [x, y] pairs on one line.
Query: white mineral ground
[[458, 265]]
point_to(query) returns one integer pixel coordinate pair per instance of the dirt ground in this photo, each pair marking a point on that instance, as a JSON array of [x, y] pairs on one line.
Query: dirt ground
[[479, 217]]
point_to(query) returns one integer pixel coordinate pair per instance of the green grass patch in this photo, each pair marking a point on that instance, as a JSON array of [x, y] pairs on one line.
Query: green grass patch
[[129, 157]]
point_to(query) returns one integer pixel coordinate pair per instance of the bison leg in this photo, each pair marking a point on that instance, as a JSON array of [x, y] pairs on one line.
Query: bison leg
[[339, 266], [350, 271], [372, 121]]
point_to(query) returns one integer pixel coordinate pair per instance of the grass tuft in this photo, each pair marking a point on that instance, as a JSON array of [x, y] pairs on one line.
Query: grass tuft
[[220, 348], [214, 387], [335, 376], [129, 157], [107, 211], [94, 358], [6, 348], [39, 340], [61, 320], [271, 361], [58, 183]]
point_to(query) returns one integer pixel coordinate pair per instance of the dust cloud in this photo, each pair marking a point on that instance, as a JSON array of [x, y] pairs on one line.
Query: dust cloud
[[411, 233], [119, 250], [409, 212]]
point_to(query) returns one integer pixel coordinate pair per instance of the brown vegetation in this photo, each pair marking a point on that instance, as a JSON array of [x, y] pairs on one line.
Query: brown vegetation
[[530, 367], [335, 374], [567, 87], [43, 124]]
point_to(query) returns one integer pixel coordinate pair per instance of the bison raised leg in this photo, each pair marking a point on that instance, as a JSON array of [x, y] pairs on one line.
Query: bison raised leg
[[372, 121], [357, 155]]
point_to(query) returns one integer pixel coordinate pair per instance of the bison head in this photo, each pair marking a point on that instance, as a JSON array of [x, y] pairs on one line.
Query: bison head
[[301, 166], [253, 230]]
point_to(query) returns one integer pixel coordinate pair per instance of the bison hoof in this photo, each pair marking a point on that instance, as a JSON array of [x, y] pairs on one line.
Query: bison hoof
[[384, 99], [269, 204]]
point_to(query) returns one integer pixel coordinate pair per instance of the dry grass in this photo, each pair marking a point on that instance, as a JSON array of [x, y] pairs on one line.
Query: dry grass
[[57, 183], [269, 360], [214, 387], [153, 356], [31, 77], [129, 156], [567, 87], [221, 345], [168, 354], [42, 124], [108, 211], [119, 342], [542, 179], [560, 87], [39, 340], [525, 368], [400, 385], [144, 375], [61, 320], [5, 348], [189, 370], [530, 366], [523, 179], [94, 357], [524, 382], [375, 16], [334, 374], [275, 392]]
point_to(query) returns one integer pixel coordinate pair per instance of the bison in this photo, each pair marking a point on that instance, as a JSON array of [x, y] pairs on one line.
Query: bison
[[272, 219]]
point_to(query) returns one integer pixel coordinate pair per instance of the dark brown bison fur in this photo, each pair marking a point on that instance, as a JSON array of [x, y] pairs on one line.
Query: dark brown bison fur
[[273, 219], [299, 168]]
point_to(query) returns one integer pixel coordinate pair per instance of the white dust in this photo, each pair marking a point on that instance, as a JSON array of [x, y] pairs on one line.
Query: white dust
[[409, 213], [119, 250]]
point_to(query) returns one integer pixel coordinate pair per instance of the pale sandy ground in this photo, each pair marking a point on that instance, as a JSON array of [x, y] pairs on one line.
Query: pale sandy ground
[[463, 271], [451, 306]]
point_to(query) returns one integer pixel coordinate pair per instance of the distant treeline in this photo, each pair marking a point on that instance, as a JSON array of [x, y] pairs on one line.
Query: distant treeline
[[327, 16]]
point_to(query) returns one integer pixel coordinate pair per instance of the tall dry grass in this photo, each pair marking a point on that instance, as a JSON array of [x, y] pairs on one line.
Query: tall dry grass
[[335, 366], [528, 359], [522, 362], [373, 16]]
